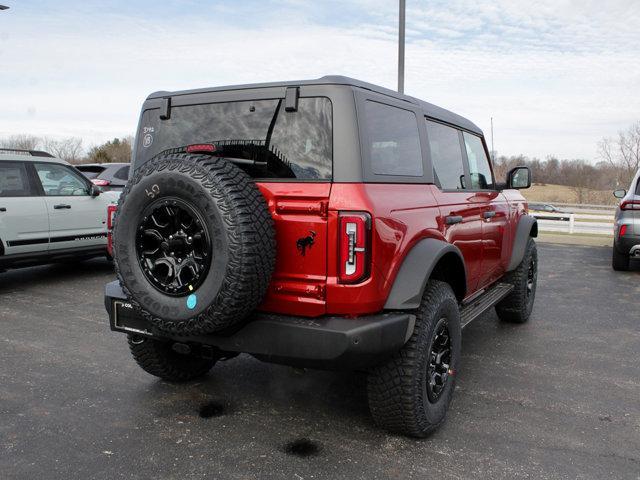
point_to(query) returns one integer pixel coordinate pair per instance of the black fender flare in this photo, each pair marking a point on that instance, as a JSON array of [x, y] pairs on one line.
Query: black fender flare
[[415, 271], [527, 227]]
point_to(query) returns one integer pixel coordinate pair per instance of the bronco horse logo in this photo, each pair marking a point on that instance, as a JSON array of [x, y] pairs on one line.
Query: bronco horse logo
[[306, 242]]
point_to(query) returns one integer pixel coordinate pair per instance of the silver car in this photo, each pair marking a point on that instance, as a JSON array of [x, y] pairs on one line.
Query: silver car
[[626, 240], [49, 211]]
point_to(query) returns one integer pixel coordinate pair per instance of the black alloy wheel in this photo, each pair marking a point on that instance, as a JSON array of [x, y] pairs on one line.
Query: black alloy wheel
[[173, 246], [439, 361]]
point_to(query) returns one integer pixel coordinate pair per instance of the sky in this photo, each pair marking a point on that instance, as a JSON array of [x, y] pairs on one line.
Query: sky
[[556, 76]]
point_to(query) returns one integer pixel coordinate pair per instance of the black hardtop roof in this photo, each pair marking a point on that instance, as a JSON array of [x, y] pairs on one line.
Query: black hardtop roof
[[429, 109]]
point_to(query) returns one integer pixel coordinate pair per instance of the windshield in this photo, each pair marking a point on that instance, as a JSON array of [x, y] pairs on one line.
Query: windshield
[[263, 138]]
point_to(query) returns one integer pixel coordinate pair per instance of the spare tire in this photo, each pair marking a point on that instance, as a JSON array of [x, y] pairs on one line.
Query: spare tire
[[194, 244]]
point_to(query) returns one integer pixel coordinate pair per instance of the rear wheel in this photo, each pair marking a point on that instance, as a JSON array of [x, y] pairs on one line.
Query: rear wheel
[[159, 359], [410, 394], [517, 306], [619, 261]]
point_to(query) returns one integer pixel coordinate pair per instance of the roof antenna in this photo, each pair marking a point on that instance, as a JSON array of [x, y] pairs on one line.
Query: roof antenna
[[401, 23]]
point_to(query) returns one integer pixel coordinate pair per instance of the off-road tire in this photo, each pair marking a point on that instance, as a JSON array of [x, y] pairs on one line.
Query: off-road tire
[[619, 261], [159, 359], [517, 306], [242, 239], [397, 390]]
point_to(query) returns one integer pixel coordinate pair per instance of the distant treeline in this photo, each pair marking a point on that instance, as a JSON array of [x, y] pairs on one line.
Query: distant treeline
[[71, 149], [619, 160]]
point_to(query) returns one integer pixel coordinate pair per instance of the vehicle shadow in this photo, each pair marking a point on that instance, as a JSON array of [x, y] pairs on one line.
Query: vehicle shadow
[[246, 388], [53, 273]]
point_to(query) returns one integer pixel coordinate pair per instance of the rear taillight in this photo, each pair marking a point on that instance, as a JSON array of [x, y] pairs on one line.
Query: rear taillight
[[100, 182], [111, 214], [354, 243], [623, 230], [630, 205]]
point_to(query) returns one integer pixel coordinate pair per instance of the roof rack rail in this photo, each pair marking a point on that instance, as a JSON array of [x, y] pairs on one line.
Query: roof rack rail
[[33, 153]]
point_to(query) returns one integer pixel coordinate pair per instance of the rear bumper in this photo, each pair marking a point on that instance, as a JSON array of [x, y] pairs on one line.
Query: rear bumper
[[325, 342], [626, 244]]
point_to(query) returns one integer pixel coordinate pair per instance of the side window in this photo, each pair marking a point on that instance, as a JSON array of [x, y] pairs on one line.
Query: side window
[[479, 169], [59, 180], [393, 139], [14, 180], [446, 156], [122, 174], [638, 187]]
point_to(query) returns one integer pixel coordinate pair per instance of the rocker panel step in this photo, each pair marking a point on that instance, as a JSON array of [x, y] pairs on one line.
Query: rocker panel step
[[484, 302]]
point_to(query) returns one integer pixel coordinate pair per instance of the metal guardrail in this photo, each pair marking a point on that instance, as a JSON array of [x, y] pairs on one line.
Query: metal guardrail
[[580, 206]]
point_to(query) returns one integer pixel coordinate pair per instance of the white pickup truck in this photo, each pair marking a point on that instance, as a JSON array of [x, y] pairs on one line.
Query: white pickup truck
[[49, 211]]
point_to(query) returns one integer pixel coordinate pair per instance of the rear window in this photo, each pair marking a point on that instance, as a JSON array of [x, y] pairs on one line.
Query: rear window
[[90, 171], [122, 174], [260, 136]]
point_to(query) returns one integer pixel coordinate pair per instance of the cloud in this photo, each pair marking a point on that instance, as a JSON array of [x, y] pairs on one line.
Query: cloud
[[556, 76]]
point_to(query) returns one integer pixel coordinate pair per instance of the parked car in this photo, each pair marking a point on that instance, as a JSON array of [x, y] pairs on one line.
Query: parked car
[[108, 176], [328, 223], [48, 211], [626, 235], [551, 212]]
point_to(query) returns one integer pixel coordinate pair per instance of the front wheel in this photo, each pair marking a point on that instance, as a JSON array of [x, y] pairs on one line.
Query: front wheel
[[410, 394], [517, 306], [159, 359]]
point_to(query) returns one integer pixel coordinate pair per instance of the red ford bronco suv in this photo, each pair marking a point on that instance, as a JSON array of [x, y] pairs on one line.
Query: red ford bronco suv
[[329, 224]]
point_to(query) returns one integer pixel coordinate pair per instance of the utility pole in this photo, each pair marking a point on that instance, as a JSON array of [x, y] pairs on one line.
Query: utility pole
[[401, 47], [493, 154]]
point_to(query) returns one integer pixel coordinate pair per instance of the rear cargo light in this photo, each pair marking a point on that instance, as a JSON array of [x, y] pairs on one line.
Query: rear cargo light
[[100, 182], [111, 214], [623, 230], [630, 205], [201, 148], [354, 243]]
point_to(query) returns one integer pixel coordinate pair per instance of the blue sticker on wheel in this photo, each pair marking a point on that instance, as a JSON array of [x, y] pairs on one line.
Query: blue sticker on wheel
[[192, 301]]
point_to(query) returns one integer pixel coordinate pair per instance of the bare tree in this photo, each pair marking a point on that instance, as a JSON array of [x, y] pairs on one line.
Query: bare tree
[[69, 149], [623, 152], [21, 142], [117, 150]]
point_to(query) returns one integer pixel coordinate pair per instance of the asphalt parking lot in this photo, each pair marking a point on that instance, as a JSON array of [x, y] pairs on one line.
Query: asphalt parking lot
[[555, 398]]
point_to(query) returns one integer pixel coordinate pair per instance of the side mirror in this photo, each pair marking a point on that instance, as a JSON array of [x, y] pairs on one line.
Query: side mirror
[[94, 190], [519, 177], [620, 193]]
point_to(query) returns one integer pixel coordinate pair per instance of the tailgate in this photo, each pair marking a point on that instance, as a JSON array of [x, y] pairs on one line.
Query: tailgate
[[298, 285]]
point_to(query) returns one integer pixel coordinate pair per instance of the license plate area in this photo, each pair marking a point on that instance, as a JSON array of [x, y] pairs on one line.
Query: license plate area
[[125, 319]]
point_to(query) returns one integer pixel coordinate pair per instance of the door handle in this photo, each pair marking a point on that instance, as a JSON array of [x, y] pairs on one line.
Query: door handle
[[453, 219], [61, 206], [489, 214], [2, 209]]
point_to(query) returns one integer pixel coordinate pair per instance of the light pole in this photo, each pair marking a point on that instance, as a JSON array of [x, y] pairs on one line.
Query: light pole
[[401, 47], [3, 7]]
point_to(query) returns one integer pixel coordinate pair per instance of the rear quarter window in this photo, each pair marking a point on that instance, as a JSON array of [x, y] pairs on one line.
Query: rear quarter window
[[393, 140], [14, 180]]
